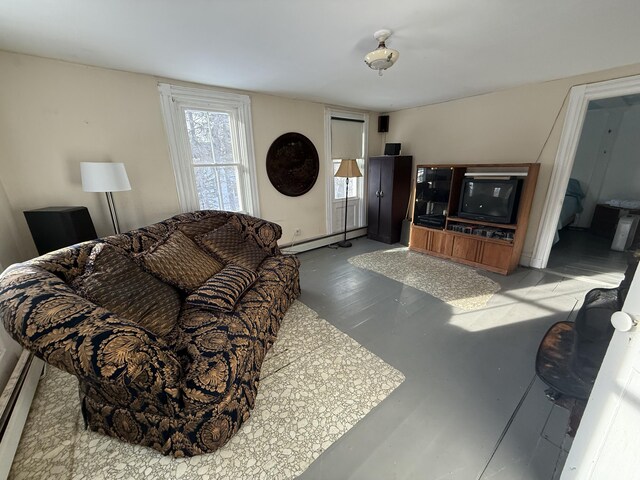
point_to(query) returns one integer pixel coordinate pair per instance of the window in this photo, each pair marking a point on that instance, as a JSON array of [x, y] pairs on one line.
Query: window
[[211, 148], [340, 183], [346, 137]]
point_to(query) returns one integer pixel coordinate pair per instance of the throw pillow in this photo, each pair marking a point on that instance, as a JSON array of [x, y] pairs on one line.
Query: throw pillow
[[113, 281], [180, 262], [222, 291], [228, 244]]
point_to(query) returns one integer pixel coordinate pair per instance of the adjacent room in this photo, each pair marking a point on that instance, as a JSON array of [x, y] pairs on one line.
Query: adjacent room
[[599, 217], [338, 240]]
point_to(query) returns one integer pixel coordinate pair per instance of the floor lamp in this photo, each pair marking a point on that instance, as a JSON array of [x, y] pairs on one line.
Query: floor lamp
[[105, 178], [348, 169]]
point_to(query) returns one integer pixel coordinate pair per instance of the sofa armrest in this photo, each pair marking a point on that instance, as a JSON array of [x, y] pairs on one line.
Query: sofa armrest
[[266, 234], [114, 358]]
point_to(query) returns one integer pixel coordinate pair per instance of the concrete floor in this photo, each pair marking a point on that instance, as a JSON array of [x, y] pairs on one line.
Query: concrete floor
[[471, 407]]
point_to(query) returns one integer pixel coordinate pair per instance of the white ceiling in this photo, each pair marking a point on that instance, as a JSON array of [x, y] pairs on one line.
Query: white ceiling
[[313, 49]]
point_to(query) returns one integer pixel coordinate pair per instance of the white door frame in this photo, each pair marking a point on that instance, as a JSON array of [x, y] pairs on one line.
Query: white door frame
[[335, 112], [607, 439], [579, 99]]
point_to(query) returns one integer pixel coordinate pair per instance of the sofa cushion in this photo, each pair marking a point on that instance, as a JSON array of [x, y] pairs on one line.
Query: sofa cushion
[[222, 291], [115, 282], [205, 225], [228, 243], [177, 260]]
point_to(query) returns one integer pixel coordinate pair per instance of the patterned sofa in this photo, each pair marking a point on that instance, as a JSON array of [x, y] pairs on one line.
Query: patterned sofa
[[184, 384]]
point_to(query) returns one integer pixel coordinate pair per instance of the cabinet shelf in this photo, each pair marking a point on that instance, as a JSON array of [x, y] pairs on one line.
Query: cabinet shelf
[[462, 234], [484, 239], [484, 224]]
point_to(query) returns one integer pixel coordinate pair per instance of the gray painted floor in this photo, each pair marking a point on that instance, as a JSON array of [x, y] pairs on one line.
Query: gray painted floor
[[581, 254], [466, 374]]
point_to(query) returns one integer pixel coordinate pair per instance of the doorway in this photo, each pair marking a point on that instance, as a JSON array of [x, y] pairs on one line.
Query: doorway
[[580, 98], [345, 131], [614, 378], [601, 206]]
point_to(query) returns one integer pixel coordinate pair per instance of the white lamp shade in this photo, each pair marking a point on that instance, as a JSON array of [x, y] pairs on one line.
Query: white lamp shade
[[104, 177]]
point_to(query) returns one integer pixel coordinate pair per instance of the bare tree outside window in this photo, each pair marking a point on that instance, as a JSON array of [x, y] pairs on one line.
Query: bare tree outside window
[[215, 166], [340, 183]]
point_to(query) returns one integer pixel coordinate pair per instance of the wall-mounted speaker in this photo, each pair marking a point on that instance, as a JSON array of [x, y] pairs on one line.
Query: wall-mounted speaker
[[383, 123], [56, 227]]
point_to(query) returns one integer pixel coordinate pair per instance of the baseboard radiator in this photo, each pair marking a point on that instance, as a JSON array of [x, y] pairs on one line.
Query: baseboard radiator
[[15, 402], [322, 241]]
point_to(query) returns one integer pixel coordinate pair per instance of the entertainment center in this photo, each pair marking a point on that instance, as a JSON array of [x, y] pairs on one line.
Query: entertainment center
[[476, 214]]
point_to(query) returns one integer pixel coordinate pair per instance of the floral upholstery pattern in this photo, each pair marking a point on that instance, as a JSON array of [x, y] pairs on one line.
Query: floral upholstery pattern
[[265, 234], [183, 395]]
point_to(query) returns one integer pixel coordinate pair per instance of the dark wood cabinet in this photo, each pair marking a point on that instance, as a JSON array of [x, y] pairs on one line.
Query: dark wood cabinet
[[389, 187]]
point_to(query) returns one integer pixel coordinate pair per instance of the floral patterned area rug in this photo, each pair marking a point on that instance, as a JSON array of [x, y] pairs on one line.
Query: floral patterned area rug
[[316, 384], [455, 284]]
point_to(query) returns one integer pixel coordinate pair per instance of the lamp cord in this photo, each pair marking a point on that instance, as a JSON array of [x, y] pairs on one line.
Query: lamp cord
[[553, 125], [566, 96]]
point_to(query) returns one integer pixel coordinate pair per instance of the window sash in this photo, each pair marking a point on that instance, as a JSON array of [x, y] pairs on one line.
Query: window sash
[[354, 184], [175, 100], [220, 193], [357, 186]]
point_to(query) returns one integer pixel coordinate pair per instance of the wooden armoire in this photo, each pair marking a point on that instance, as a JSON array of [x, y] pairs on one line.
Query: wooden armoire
[[389, 187]]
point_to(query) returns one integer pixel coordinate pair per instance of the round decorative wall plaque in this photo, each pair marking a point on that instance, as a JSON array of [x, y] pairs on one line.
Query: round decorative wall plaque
[[292, 164]]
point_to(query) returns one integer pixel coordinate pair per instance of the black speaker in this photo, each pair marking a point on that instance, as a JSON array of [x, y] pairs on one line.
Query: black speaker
[[392, 148], [56, 227], [383, 123]]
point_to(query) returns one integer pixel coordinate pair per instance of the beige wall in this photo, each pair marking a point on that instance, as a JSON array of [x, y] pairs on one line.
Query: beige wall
[[9, 252], [501, 127], [273, 116], [53, 115]]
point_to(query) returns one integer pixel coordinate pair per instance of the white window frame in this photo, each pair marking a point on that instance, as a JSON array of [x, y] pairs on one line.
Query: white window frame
[[174, 100], [348, 114]]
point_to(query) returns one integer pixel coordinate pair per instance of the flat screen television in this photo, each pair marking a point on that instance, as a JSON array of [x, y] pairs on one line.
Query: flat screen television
[[490, 200]]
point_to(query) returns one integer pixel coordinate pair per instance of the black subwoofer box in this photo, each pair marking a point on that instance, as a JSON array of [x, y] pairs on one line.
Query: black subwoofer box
[[56, 227]]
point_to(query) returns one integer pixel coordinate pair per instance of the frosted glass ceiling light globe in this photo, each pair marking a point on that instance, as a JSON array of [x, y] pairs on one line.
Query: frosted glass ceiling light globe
[[382, 57]]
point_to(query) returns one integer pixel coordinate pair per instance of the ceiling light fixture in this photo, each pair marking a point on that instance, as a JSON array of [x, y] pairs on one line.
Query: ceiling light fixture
[[382, 57]]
